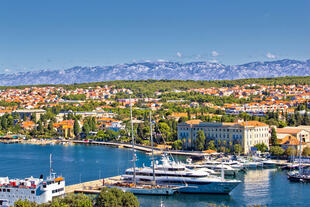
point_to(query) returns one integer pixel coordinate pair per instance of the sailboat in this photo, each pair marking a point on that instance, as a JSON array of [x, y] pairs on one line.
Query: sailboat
[[302, 175], [144, 188]]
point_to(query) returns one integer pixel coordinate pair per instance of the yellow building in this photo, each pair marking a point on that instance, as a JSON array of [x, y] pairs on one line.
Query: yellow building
[[247, 134]]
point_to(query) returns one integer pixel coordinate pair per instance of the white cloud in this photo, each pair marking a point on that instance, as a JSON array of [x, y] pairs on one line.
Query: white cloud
[[179, 54], [270, 55], [161, 60], [213, 61], [198, 57], [7, 70], [215, 54]]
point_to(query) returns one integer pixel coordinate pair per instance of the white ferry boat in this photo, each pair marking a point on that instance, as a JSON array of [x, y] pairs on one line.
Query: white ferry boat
[[33, 189], [38, 190]]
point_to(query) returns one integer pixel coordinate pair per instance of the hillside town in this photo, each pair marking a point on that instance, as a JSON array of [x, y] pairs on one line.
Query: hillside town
[[241, 118]]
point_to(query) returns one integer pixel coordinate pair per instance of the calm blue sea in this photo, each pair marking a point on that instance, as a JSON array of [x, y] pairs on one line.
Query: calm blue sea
[[83, 163]]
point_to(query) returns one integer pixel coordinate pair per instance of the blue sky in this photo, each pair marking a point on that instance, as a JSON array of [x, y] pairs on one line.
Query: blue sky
[[59, 34]]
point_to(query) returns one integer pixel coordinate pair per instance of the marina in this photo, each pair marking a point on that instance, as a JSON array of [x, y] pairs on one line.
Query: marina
[[258, 186]]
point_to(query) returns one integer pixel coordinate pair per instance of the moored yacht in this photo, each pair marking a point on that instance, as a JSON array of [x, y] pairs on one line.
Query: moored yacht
[[196, 180]]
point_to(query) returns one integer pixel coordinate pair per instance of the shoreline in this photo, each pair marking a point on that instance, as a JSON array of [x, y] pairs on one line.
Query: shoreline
[[145, 149]]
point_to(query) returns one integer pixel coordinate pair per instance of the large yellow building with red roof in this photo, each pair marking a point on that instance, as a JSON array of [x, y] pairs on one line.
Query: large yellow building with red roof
[[247, 134]]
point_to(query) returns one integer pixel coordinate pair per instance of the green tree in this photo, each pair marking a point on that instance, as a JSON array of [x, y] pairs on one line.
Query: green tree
[[93, 122], [86, 128], [4, 122], [113, 197], [76, 128], [200, 141], [50, 126], [274, 140], [182, 119], [290, 151], [129, 200], [261, 147], [24, 203], [306, 152], [211, 145], [10, 121], [40, 126], [276, 151], [78, 200], [177, 145], [188, 115], [306, 119], [164, 129], [237, 148]]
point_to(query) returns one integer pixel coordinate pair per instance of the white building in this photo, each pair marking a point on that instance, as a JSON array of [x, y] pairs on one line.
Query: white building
[[247, 134]]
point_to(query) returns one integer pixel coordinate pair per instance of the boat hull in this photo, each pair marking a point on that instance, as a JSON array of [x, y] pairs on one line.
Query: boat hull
[[147, 191], [209, 188], [197, 186], [298, 178]]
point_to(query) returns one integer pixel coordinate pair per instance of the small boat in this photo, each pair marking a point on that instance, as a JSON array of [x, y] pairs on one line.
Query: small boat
[[228, 170], [290, 166], [299, 176], [269, 163]]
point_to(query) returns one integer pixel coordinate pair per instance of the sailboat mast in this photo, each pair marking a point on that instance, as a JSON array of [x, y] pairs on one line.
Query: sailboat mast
[[50, 165], [151, 130], [133, 144], [299, 167]]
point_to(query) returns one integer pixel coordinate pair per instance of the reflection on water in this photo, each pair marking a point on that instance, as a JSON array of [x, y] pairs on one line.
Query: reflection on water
[[256, 186], [267, 187], [186, 200]]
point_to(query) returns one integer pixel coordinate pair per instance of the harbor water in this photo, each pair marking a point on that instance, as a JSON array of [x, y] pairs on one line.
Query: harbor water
[[81, 163]]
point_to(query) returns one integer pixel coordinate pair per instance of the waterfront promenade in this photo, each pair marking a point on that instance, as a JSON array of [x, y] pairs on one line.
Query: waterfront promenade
[[142, 148]]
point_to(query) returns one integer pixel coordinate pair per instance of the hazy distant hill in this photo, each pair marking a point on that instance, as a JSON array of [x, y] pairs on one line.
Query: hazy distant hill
[[160, 70]]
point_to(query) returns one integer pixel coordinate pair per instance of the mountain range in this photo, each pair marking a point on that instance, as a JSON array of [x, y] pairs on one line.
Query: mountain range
[[160, 70]]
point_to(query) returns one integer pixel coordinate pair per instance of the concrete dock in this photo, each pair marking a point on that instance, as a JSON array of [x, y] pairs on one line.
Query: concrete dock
[[91, 187]]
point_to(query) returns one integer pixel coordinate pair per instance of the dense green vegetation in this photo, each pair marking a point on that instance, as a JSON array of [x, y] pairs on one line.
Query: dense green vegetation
[[75, 97], [108, 197]]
